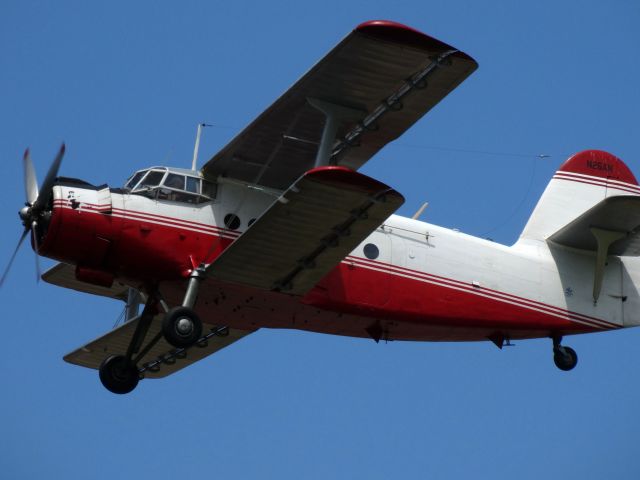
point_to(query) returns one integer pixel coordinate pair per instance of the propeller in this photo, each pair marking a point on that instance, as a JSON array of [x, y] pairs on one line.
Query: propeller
[[35, 206]]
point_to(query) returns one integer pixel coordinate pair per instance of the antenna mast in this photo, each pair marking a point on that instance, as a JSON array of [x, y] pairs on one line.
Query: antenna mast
[[194, 162]]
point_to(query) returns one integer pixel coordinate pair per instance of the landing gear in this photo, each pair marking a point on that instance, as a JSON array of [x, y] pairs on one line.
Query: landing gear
[[181, 327], [565, 358], [118, 375]]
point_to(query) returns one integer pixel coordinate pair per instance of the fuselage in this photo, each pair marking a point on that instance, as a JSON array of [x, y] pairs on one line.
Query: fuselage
[[409, 280]]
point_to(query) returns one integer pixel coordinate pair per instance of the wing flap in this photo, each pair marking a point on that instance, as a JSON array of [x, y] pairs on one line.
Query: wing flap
[[365, 72], [326, 214], [116, 342], [613, 214]]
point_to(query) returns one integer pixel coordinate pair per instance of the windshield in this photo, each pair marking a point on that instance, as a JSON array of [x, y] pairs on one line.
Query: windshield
[[152, 179], [134, 179]]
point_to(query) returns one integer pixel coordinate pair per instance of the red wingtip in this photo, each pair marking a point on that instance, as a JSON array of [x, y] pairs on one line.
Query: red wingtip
[[399, 33], [597, 163], [26, 153], [385, 24]]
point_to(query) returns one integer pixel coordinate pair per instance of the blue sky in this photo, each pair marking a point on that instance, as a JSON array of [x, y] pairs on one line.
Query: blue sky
[[125, 83]]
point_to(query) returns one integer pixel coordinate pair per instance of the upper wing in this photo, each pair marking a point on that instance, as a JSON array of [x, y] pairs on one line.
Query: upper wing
[[615, 214], [307, 231], [388, 74]]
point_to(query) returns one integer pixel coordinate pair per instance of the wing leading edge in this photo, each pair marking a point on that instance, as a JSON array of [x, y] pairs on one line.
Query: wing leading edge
[[386, 75]]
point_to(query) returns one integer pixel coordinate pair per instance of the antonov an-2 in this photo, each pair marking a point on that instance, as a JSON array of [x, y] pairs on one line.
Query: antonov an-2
[[279, 230]]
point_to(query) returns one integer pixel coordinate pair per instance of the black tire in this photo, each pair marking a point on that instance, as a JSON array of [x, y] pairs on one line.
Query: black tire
[[117, 375], [181, 327], [565, 358]]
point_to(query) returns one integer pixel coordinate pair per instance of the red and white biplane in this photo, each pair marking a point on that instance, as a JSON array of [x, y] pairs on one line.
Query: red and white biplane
[[279, 230]]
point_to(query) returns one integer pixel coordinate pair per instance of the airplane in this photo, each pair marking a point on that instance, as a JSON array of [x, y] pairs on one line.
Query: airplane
[[280, 230]]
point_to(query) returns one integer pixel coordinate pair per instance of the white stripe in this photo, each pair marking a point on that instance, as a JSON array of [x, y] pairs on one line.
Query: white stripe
[[604, 181]]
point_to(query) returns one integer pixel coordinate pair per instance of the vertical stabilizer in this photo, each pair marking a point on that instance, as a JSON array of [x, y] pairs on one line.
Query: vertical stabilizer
[[580, 183]]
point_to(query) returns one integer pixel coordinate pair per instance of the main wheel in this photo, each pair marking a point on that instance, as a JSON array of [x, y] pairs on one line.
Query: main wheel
[[565, 358], [181, 327], [117, 375]]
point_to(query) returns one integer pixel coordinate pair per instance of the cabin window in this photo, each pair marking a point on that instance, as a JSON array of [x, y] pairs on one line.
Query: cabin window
[[371, 251], [231, 221]]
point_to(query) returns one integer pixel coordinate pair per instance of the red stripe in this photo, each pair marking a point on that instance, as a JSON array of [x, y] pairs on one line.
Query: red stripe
[[494, 294], [468, 287]]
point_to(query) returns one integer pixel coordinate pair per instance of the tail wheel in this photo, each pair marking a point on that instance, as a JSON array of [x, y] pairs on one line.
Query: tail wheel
[[565, 358], [181, 327], [117, 375]]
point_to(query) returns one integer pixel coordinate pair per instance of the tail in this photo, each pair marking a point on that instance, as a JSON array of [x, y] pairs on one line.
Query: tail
[[584, 180]]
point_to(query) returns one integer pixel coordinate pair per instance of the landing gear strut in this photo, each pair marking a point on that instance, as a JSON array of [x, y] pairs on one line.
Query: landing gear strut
[[565, 358]]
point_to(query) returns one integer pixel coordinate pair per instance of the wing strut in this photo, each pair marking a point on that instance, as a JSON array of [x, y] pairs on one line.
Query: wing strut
[[334, 115]]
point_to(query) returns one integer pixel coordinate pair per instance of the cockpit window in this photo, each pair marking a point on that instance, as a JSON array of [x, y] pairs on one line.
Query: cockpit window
[[193, 185], [172, 185], [135, 179], [174, 181], [152, 179]]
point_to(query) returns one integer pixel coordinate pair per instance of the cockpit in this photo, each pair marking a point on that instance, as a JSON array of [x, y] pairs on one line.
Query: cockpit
[[173, 184]]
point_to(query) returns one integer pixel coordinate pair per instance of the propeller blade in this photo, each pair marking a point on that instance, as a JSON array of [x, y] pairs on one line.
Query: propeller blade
[[15, 252], [34, 235], [30, 181], [46, 188]]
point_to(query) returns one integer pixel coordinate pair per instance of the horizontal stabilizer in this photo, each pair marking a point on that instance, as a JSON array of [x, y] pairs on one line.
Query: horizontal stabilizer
[[161, 357], [64, 275], [619, 214], [307, 231]]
